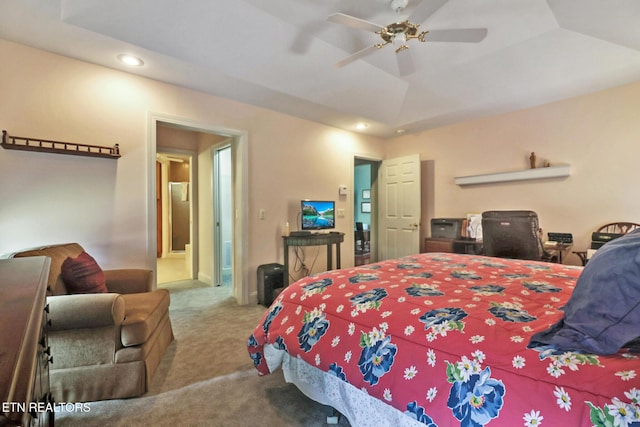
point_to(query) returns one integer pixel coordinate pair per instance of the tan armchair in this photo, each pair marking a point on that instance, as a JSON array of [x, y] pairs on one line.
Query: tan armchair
[[104, 345]]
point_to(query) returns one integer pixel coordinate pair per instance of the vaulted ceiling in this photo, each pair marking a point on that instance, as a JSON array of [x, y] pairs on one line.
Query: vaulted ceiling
[[281, 54]]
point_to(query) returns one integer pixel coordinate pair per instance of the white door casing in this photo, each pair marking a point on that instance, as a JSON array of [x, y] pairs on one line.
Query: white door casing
[[399, 207], [240, 156]]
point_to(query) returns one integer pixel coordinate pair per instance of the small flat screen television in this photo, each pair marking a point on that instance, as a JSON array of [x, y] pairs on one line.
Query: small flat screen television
[[318, 214]]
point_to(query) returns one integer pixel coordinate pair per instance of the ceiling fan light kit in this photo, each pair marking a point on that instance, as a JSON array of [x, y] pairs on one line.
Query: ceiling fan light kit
[[398, 33], [399, 5]]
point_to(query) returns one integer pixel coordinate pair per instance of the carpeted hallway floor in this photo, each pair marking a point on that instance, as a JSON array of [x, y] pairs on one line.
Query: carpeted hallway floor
[[206, 377]]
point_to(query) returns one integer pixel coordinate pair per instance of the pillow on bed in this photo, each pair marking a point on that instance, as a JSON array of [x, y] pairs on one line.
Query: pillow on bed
[[603, 313], [83, 275]]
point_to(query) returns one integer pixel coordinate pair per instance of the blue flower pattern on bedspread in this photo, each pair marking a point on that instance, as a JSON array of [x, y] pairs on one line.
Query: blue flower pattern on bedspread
[[442, 338], [318, 286], [442, 315], [511, 313], [487, 289], [280, 344], [363, 277], [466, 275], [416, 290], [257, 356], [372, 298], [408, 266], [337, 370], [475, 398], [417, 413], [423, 275], [273, 312], [540, 287], [314, 327], [376, 357]]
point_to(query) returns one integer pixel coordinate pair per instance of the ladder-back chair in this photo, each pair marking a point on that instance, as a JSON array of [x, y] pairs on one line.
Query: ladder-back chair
[[611, 228]]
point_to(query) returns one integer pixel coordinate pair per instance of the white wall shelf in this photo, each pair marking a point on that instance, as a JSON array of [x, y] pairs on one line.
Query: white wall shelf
[[558, 171]]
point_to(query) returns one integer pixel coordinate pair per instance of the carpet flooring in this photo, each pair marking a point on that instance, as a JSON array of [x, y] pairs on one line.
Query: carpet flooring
[[206, 377]]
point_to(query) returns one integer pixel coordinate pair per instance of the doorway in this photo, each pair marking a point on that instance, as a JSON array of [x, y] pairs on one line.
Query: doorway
[[174, 210], [223, 208], [201, 251], [365, 210]]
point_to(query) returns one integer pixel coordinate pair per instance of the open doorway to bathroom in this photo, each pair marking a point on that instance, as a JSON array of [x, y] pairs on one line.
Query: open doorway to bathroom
[[168, 134], [174, 211], [195, 186]]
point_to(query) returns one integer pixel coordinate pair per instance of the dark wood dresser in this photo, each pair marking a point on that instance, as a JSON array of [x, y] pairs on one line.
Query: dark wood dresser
[[458, 246], [25, 398]]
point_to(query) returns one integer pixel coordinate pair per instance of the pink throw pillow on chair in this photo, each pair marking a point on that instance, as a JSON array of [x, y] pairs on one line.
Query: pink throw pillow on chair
[[83, 275]]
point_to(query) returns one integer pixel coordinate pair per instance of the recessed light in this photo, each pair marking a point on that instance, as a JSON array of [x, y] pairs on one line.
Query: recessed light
[[362, 125], [400, 131], [130, 60]]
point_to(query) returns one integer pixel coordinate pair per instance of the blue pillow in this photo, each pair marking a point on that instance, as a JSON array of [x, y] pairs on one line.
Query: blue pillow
[[603, 313]]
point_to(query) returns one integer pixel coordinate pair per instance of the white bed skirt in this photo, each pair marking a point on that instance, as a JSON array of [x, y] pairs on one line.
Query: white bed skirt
[[356, 405]]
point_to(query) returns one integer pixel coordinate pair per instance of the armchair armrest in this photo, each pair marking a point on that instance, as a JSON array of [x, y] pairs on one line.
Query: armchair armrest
[[129, 281], [80, 311]]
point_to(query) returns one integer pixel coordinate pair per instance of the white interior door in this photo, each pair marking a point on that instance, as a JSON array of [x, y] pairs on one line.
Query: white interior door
[[399, 207]]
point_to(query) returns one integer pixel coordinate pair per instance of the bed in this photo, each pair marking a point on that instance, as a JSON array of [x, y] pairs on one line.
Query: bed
[[442, 339]]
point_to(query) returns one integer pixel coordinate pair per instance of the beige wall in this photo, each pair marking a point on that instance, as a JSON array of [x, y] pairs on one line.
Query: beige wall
[[596, 134], [102, 203]]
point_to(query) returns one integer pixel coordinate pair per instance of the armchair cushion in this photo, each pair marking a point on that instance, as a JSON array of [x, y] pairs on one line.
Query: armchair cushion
[[129, 280], [85, 311], [83, 275], [143, 313]]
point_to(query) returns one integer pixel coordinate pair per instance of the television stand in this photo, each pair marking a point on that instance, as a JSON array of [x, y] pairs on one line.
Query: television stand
[[327, 239]]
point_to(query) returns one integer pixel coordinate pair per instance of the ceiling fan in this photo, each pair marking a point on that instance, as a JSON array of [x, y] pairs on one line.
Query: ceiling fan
[[399, 33]]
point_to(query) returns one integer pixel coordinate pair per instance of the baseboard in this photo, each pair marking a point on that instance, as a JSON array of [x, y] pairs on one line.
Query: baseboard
[[174, 255], [204, 278]]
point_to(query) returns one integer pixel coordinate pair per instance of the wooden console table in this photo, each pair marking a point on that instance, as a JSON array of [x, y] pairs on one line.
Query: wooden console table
[[317, 239], [24, 359], [558, 249]]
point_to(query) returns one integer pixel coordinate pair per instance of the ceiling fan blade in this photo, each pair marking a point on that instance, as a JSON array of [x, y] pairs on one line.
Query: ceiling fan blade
[[359, 54], [461, 35], [405, 62], [353, 22], [425, 9]]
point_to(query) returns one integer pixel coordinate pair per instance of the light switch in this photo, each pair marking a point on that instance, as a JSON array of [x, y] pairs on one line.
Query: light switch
[[262, 214]]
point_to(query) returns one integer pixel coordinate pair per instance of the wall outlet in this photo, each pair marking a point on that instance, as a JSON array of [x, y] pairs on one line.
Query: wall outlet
[[340, 213], [262, 214]]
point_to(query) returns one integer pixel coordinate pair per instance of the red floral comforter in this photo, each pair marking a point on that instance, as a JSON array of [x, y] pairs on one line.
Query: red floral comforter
[[443, 338]]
